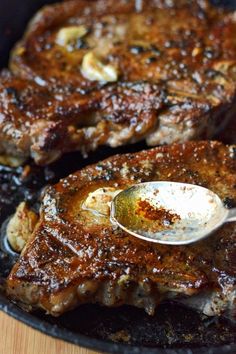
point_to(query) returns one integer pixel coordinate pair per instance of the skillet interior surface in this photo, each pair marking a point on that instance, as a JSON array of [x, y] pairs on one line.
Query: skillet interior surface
[[173, 329]]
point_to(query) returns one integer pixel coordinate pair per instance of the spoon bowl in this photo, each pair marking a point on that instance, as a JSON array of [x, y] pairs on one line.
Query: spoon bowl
[[169, 212]]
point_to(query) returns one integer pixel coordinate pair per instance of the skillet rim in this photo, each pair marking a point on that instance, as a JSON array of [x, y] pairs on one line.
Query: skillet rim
[[84, 341]]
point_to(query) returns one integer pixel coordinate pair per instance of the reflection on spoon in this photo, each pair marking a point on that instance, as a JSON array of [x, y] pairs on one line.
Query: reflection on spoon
[[169, 212]]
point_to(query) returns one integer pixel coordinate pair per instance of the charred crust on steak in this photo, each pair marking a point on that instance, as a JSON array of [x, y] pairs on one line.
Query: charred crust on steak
[[71, 246], [185, 78]]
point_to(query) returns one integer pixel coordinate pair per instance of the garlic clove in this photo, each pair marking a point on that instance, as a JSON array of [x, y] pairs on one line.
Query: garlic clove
[[67, 35], [94, 70]]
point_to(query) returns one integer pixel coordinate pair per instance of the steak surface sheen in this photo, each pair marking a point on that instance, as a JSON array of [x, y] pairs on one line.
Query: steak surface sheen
[[112, 73], [75, 255]]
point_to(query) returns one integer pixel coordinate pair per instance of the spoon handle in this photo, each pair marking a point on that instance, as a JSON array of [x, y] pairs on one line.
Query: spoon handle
[[232, 215]]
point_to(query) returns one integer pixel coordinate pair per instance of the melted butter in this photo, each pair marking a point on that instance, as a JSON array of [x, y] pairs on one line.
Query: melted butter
[[99, 201]]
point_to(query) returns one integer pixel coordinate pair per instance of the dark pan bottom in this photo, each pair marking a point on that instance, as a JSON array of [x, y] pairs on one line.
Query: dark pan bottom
[[173, 326]]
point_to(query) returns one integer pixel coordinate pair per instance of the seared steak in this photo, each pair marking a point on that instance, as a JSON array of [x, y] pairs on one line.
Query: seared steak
[[75, 255], [44, 124], [113, 72], [152, 43]]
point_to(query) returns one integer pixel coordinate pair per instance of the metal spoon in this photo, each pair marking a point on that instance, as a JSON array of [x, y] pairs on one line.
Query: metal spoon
[[169, 212]]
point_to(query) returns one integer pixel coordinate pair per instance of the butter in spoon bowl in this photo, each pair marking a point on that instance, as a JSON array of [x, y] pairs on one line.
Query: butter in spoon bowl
[[169, 212]]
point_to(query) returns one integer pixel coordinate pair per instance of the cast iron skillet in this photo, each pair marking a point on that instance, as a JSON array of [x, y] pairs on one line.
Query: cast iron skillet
[[174, 328]]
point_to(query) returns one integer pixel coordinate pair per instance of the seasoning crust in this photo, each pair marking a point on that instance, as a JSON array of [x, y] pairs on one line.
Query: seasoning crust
[[77, 256], [111, 73]]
